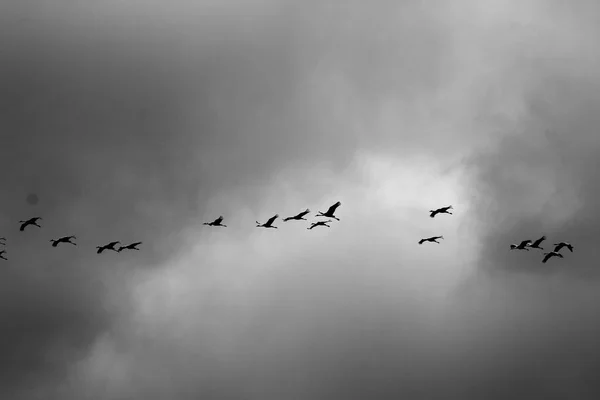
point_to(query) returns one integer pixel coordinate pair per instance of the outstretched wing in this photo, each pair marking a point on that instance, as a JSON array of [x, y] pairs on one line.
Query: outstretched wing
[[303, 213], [539, 241], [422, 241], [135, 244], [548, 255], [218, 220], [332, 209], [272, 219], [433, 213]]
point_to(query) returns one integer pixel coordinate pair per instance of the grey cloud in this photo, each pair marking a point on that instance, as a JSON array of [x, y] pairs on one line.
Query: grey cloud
[[125, 126]]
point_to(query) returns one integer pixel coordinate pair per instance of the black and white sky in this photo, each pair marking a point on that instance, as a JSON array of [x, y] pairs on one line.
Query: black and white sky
[[139, 120]]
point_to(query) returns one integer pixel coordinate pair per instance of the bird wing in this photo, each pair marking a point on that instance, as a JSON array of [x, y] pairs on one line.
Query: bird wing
[[537, 242], [433, 213], [135, 244], [332, 209], [524, 243], [422, 241], [547, 257], [303, 213], [218, 220], [272, 219]]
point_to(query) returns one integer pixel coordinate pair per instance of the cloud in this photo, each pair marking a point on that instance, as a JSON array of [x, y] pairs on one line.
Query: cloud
[[138, 122]]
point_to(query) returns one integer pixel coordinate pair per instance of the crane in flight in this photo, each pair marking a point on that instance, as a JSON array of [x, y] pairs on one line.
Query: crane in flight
[[269, 223], [2, 253], [560, 245], [329, 213], [298, 216], [550, 255], [132, 246], [536, 244], [30, 221], [443, 210], [109, 246], [521, 246], [432, 239], [319, 223], [216, 222], [64, 239]]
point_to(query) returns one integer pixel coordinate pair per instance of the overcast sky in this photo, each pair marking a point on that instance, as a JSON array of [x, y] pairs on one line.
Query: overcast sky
[[139, 120]]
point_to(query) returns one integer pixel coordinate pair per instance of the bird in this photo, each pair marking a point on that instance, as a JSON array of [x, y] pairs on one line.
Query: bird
[[443, 210], [432, 239], [536, 244], [560, 245], [330, 211], [2, 240], [319, 223], [110, 246], [521, 246], [298, 217], [216, 222], [131, 246], [30, 221], [2, 253], [64, 239], [550, 255], [269, 223]]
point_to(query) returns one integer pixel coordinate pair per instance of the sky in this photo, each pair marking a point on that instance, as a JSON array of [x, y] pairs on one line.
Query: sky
[[140, 120]]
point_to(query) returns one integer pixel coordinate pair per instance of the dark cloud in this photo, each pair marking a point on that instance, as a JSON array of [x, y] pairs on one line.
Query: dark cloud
[[128, 121]]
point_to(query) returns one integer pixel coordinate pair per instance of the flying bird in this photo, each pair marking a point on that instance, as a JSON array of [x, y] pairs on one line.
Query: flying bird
[[30, 221], [216, 222], [269, 223], [64, 239], [443, 210], [298, 217], [521, 246], [536, 244], [2, 253], [319, 223], [110, 246], [560, 245], [132, 246], [330, 211], [550, 255], [432, 239]]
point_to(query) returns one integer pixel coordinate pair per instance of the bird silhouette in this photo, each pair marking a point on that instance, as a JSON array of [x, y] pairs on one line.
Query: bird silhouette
[[30, 221], [269, 223], [443, 210], [319, 223], [560, 245], [329, 213], [550, 255], [110, 246], [298, 216], [536, 244], [132, 246], [521, 246], [64, 239], [432, 239], [2, 253], [216, 222]]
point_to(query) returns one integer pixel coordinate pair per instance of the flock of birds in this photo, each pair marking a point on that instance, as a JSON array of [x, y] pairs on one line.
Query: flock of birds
[[330, 213], [68, 239], [530, 244]]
